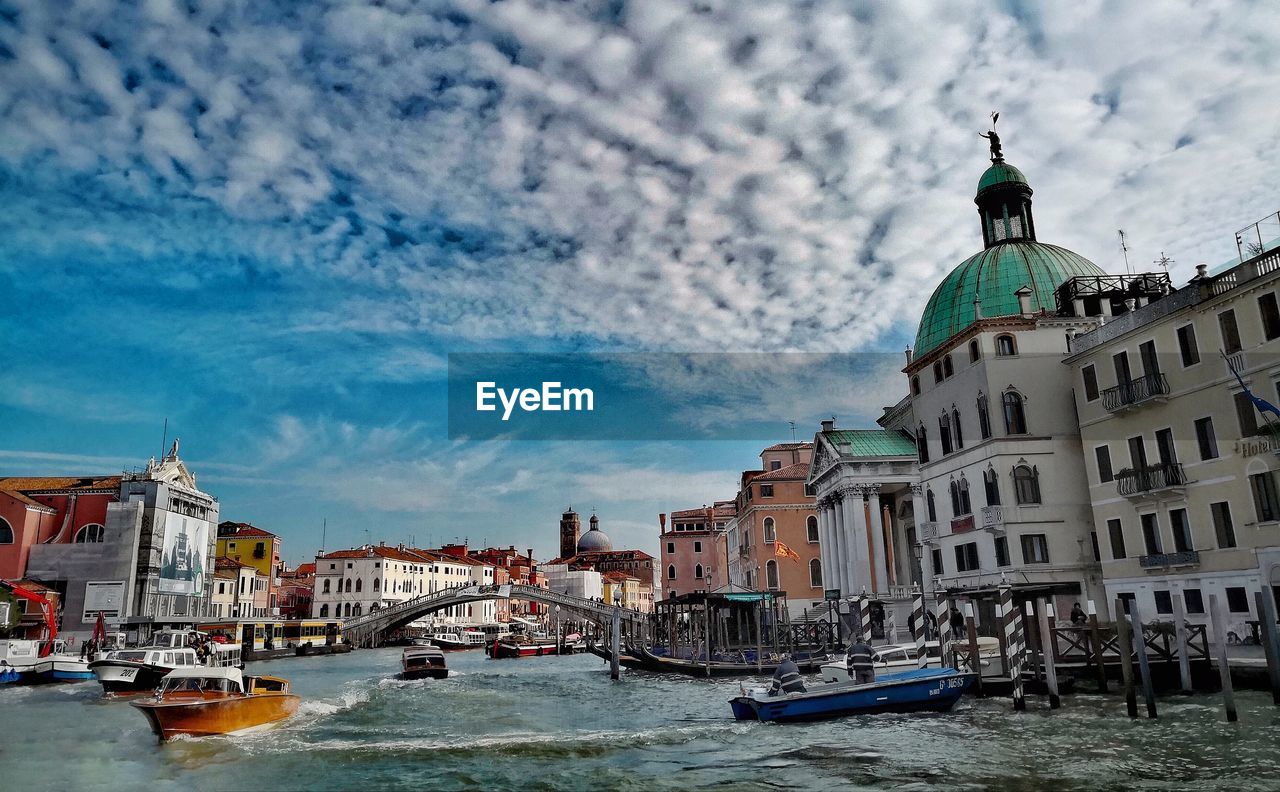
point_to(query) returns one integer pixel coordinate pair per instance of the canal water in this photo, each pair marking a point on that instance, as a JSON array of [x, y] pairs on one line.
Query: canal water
[[559, 723]]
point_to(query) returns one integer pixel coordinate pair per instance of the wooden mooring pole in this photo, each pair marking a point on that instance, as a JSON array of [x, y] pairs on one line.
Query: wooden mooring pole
[[1124, 643], [971, 629], [1046, 645], [1220, 652], [1033, 636], [1267, 623], [917, 628], [1144, 665], [615, 643], [1014, 639], [1095, 643], [1180, 633]]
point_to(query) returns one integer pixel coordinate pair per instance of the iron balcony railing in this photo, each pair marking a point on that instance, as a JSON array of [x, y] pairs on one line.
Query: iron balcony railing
[[1135, 392], [1138, 481], [1161, 560]]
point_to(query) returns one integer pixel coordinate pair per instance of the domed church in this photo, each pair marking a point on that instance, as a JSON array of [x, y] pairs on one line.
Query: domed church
[[594, 540]]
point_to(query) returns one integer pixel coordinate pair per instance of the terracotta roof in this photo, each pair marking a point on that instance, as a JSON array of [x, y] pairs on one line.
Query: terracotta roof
[[689, 513], [798, 471], [308, 568], [222, 562], [19, 497], [618, 577], [789, 446], [241, 529], [19, 487], [382, 551]]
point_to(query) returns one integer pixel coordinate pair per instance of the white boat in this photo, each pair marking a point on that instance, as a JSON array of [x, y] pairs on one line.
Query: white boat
[[466, 639], [142, 668], [901, 657]]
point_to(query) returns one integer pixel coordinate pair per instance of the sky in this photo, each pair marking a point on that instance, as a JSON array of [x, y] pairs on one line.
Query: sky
[[272, 224]]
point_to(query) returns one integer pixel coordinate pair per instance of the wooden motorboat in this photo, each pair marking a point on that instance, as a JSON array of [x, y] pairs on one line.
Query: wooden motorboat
[[924, 689], [202, 701], [423, 662], [525, 646]]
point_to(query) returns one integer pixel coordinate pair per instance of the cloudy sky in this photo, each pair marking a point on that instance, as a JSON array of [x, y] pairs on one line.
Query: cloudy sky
[[271, 227]]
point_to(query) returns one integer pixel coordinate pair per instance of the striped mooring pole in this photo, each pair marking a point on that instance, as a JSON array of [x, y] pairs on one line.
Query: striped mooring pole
[[917, 627], [942, 615], [864, 615], [1009, 619]]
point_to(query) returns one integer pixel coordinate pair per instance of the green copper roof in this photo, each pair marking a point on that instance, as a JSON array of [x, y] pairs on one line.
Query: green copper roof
[[873, 442], [994, 275], [1000, 172]]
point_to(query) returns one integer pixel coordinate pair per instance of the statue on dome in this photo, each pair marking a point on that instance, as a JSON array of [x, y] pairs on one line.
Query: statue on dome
[[996, 154]]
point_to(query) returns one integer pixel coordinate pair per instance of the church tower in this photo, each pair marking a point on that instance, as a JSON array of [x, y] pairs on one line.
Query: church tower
[[570, 530]]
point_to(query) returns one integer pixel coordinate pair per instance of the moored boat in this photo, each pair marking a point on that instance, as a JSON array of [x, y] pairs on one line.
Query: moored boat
[[738, 664], [459, 641], [140, 669], [199, 702], [924, 689], [524, 646], [422, 662], [891, 658]]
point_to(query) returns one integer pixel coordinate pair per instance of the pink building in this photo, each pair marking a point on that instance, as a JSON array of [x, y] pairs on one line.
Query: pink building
[[693, 548], [50, 509]]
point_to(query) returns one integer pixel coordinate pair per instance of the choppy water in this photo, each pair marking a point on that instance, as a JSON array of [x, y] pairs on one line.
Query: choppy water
[[560, 723]]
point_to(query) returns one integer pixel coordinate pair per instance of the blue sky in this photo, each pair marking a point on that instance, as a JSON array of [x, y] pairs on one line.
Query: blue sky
[[272, 228]]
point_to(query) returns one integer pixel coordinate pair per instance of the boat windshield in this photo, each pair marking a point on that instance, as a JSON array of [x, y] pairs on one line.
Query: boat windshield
[[133, 657], [199, 685]]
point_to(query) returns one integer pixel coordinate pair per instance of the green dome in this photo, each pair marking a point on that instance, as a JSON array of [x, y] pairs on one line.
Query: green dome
[[994, 275], [1000, 172]]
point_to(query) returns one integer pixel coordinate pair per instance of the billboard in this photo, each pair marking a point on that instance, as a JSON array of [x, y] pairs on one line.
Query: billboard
[[186, 544]]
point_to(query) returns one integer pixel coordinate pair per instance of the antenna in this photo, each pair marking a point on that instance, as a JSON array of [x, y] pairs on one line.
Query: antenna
[[1124, 248], [1163, 261], [324, 530], [793, 430]]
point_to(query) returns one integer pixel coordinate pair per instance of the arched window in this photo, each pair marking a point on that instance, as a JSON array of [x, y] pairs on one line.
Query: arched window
[[326, 585], [697, 571], [947, 369], [991, 486], [811, 525], [359, 585], [915, 386], [377, 584], [984, 416], [1005, 346], [937, 371], [324, 610], [373, 607], [944, 432], [771, 574], [1015, 420], [815, 573], [928, 500], [348, 586], [770, 530], [346, 609], [955, 427], [1026, 484], [922, 444], [90, 534], [954, 489], [975, 353], [6, 532], [356, 611], [671, 572], [966, 506]]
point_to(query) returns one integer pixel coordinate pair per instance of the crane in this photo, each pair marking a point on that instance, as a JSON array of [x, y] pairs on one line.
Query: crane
[[46, 609]]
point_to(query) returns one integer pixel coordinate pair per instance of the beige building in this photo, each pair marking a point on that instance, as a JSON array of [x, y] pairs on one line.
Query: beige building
[[1181, 465]]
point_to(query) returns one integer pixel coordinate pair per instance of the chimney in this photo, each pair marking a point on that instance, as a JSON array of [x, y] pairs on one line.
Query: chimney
[[909, 355], [1024, 300], [977, 308], [829, 425], [1202, 271], [662, 522], [530, 551]]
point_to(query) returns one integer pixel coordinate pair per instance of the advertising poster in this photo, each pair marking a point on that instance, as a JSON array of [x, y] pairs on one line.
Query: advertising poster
[[186, 540]]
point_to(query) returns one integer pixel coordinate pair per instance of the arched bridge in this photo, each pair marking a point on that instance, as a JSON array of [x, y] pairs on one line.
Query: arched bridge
[[368, 629]]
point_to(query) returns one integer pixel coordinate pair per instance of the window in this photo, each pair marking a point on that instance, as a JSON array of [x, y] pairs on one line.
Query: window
[[775, 464], [966, 506], [815, 573], [697, 548], [1187, 345], [671, 548], [259, 550], [1035, 549], [1223, 530], [771, 574], [1137, 453], [348, 586], [1264, 496], [90, 534], [991, 486], [947, 369], [1015, 420], [1002, 551], [671, 571], [937, 371], [922, 444], [1165, 447], [326, 585], [346, 609], [1097, 551], [1005, 346], [915, 386], [1120, 362], [1150, 361], [1182, 541], [766, 490], [811, 527], [1246, 414], [937, 561], [1164, 602], [1090, 375], [944, 433], [1194, 600], [1237, 600], [975, 353], [955, 424], [359, 585], [984, 417], [1206, 439], [1230, 332], [770, 530], [1151, 534], [967, 557], [1270, 316], [324, 610], [1103, 455], [697, 572], [1026, 485], [933, 510]]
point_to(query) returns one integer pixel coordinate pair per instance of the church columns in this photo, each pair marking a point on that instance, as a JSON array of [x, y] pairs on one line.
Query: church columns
[[855, 531], [827, 546]]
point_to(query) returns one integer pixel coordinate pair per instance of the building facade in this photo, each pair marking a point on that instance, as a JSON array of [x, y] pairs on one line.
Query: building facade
[[693, 548], [259, 549]]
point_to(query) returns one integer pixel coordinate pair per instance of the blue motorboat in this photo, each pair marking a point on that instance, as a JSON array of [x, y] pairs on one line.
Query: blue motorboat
[[924, 689]]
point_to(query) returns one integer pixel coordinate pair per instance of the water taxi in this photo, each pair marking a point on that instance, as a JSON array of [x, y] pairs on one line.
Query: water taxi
[[525, 646], [459, 641], [202, 701], [123, 671], [924, 689], [421, 662]]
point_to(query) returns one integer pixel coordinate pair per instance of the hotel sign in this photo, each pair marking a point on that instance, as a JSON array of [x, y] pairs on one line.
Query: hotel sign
[[1257, 446]]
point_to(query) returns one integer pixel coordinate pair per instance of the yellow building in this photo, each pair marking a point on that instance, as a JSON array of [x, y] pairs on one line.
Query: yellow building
[[256, 548], [629, 587]]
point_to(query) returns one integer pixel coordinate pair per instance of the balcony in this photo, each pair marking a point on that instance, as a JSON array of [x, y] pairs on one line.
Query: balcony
[[1150, 481], [1183, 558], [993, 519], [962, 524], [928, 532], [1135, 392]]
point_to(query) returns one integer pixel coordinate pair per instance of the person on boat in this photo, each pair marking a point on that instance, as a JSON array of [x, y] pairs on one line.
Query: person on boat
[[858, 660], [1078, 616], [786, 679]]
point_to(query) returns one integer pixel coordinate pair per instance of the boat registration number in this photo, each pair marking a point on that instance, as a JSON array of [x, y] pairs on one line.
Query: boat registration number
[[128, 673]]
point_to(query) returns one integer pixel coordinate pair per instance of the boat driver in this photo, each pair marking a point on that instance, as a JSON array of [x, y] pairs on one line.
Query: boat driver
[[787, 678], [858, 659]]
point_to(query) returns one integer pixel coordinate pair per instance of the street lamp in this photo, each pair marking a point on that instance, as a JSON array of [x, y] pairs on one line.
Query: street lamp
[[559, 633]]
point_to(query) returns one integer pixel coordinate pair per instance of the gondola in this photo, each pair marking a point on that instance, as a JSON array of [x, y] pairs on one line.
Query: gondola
[[808, 663]]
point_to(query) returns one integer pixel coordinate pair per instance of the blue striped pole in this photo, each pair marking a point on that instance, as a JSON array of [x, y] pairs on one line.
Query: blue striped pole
[[1013, 639], [917, 627]]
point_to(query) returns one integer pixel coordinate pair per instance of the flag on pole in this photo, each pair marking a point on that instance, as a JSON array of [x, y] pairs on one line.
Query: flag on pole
[[1263, 405], [780, 550]]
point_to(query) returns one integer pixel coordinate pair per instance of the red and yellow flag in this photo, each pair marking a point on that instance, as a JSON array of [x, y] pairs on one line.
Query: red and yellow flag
[[782, 551]]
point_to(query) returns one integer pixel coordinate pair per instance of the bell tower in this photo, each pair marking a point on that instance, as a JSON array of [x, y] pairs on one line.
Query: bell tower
[[1003, 199], [570, 531]]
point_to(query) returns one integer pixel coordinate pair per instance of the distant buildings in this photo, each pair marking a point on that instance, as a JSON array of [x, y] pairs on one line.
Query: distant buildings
[[693, 549], [365, 579], [260, 550], [594, 553]]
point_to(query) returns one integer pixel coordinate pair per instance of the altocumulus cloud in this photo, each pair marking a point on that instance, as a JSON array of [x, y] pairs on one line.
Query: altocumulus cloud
[[658, 174]]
